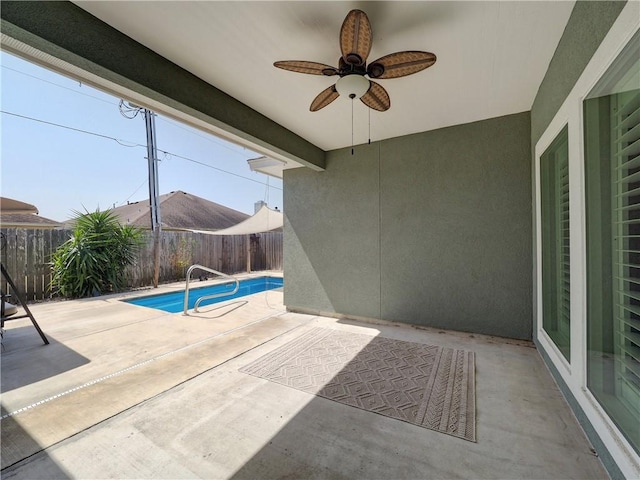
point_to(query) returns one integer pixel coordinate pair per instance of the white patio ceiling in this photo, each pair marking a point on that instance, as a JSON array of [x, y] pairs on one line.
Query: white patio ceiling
[[492, 57]]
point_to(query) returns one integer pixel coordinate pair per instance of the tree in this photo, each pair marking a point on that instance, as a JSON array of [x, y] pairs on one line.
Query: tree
[[93, 260]]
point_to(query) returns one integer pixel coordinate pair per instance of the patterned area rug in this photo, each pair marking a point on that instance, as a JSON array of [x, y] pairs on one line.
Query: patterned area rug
[[433, 387]]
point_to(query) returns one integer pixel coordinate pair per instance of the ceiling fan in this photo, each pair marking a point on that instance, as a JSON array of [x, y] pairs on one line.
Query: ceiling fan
[[355, 44]]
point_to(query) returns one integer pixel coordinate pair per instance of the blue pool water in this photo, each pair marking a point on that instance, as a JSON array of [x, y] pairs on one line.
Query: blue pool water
[[174, 302]]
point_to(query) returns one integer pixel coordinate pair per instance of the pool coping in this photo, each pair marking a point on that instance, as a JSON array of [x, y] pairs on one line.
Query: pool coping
[[200, 295], [177, 286]]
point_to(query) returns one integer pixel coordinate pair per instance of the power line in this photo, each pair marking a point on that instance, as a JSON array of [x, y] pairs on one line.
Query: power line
[[119, 141], [194, 132], [134, 192], [127, 110], [71, 128], [134, 144], [215, 168], [58, 85], [171, 122]]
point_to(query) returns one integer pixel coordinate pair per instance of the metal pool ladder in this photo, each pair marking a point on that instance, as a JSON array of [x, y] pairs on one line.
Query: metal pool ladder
[[206, 297]]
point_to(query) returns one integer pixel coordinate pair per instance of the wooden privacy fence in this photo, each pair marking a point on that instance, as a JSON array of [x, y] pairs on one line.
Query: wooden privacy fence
[[28, 250]]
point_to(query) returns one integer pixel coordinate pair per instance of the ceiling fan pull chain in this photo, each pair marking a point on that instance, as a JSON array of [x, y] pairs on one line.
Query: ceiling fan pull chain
[[352, 97], [369, 110]]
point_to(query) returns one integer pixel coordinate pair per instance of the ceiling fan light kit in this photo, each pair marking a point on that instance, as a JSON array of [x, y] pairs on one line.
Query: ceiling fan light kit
[[355, 44], [352, 86]]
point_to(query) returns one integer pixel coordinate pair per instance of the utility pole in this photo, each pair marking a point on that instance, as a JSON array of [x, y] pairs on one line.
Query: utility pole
[[130, 111], [152, 160]]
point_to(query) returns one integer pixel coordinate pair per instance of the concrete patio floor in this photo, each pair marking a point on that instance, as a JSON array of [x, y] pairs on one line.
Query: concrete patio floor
[[130, 392]]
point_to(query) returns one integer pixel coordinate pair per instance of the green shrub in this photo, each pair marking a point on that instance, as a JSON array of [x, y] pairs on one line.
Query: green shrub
[[93, 260]]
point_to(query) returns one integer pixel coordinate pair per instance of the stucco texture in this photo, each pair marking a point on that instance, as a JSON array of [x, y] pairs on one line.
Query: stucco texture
[[431, 229], [588, 25]]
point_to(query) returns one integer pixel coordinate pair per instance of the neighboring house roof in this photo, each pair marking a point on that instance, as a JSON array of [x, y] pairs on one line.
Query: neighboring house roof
[[14, 213], [25, 220], [181, 210], [9, 205]]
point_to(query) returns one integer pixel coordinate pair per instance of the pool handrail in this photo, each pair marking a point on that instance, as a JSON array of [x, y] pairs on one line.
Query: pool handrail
[[206, 297]]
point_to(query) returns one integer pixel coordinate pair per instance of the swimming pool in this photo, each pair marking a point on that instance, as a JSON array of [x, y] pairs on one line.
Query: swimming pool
[[174, 302]]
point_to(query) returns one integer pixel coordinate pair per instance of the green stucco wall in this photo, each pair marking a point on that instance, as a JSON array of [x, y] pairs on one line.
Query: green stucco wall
[[431, 229]]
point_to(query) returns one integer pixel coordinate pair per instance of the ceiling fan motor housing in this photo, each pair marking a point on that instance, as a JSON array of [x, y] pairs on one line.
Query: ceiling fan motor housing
[[354, 59], [375, 70], [345, 68]]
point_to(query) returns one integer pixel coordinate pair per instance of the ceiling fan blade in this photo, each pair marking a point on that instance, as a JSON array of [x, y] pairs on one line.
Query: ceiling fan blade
[[302, 66], [376, 98], [324, 98], [400, 64], [355, 38]]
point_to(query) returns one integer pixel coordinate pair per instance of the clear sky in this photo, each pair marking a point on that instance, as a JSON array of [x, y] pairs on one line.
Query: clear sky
[[61, 170]]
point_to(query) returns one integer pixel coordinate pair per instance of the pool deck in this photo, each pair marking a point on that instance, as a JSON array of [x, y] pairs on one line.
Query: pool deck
[[129, 392]]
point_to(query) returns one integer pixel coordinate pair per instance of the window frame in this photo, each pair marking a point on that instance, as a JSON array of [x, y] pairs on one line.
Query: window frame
[[554, 130], [614, 209], [551, 203], [570, 113]]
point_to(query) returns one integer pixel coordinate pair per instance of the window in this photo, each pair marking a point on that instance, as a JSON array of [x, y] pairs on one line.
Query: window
[[612, 174], [554, 181]]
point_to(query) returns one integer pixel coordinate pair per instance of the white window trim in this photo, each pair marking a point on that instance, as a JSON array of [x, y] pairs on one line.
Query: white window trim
[[570, 113], [552, 132]]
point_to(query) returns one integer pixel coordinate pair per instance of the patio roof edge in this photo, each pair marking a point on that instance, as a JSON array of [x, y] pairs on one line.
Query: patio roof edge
[[78, 39]]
